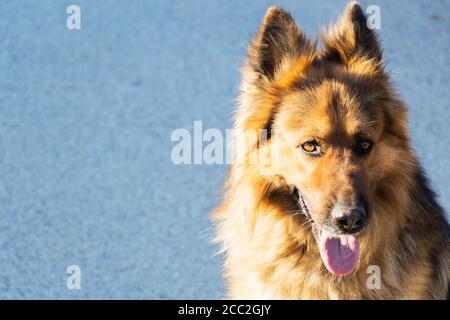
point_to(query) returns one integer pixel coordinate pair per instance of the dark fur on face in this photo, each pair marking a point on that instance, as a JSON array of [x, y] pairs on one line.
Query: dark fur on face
[[345, 167]]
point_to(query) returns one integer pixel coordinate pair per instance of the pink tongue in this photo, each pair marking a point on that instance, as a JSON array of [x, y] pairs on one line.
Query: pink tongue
[[340, 255]]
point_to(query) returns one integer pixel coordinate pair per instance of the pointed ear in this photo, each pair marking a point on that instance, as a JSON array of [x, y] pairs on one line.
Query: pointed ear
[[278, 39], [350, 37]]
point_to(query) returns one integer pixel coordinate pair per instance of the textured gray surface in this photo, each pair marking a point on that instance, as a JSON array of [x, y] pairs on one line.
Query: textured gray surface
[[85, 122]]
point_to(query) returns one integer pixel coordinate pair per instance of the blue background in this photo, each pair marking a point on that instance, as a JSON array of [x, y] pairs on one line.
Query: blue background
[[85, 121]]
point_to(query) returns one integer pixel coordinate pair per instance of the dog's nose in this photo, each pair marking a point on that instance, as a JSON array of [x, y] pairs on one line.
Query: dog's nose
[[353, 221]]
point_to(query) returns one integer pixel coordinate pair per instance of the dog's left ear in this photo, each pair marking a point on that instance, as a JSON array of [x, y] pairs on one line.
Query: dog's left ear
[[351, 38]]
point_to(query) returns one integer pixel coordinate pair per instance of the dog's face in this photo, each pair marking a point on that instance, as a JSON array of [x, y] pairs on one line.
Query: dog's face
[[336, 123], [329, 137]]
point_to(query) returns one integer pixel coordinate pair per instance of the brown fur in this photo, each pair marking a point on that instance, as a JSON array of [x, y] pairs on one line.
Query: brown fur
[[333, 95]]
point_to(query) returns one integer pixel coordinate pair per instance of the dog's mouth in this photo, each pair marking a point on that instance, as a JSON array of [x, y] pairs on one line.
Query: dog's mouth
[[339, 253]]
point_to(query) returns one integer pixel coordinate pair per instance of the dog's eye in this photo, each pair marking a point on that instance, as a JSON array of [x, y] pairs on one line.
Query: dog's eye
[[364, 147], [311, 147]]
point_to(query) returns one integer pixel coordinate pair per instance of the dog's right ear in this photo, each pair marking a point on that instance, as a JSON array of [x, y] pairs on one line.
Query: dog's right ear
[[278, 41], [277, 56]]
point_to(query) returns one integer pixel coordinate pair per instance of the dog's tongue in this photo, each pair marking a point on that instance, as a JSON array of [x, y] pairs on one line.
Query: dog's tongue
[[339, 254]]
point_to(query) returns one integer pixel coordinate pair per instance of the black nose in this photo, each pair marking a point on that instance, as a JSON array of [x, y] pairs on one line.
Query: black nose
[[354, 220]]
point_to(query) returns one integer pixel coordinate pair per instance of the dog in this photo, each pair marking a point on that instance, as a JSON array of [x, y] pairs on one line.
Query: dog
[[346, 202]]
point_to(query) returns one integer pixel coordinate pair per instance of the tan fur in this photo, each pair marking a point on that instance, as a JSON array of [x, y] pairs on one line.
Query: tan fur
[[299, 91]]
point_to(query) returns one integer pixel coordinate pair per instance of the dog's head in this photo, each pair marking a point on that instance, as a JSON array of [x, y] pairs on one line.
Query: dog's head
[[339, 129]]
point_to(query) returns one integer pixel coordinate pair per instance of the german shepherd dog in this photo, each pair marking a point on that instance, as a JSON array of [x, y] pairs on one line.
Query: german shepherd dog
[[347, 198]]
